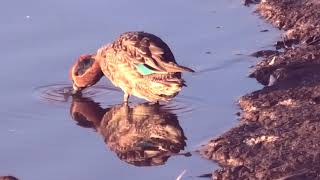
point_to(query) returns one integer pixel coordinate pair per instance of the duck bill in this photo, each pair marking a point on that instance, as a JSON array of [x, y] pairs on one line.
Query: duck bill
[[76, 90]]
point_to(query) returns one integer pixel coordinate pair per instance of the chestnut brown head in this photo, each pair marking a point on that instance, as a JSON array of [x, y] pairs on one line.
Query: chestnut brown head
[[85, 72]]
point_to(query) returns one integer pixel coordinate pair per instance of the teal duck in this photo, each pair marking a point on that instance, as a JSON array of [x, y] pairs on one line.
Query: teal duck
[[139, 63]]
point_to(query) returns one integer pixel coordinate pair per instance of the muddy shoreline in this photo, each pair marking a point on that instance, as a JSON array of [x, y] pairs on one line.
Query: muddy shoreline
[[278, 136]]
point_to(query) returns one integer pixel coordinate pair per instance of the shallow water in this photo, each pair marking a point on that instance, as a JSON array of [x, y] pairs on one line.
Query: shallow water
[[42, 138]]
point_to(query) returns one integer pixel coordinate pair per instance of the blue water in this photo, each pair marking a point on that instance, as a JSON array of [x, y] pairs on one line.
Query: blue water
[[40, 41]]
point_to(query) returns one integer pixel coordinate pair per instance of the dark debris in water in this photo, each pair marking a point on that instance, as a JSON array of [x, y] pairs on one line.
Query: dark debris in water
[[250, 2], [208, 175]]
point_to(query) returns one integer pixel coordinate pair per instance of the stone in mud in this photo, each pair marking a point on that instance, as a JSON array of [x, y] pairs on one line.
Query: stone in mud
[[299, 64], [279, 132]]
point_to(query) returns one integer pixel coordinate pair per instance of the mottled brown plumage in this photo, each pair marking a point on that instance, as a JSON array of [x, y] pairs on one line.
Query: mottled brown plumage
[[141, 64]]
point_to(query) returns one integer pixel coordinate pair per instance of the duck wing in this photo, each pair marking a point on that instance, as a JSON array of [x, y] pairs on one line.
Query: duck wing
[[148, 53]]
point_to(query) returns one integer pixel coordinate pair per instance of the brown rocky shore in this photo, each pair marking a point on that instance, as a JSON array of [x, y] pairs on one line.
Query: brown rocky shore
[[278, 136]]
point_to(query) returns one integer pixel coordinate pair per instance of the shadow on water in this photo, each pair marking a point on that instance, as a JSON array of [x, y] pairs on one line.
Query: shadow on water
[[141, 134]]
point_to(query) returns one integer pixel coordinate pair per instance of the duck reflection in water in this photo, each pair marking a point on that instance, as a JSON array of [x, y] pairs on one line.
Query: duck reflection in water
[[143, 134]]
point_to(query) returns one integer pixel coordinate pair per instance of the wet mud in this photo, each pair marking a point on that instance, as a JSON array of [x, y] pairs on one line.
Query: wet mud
[[278, 136]]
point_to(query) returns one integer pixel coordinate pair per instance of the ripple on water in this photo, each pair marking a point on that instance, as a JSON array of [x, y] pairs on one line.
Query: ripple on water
[[184, 104], [62, 92]]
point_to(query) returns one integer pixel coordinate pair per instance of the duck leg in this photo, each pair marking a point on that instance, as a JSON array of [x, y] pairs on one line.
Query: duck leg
[[125, 97]]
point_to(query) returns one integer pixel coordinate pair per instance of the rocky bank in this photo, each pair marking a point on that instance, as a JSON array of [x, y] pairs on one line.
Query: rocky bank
[[278, 136]]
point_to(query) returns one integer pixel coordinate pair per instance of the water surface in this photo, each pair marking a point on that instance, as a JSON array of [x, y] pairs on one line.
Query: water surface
[[40, 138]]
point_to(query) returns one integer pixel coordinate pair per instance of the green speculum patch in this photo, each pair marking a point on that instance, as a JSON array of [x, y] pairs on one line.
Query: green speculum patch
[[144, 69]]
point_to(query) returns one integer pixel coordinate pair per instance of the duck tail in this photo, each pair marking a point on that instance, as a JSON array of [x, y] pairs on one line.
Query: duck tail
[[172, 67]]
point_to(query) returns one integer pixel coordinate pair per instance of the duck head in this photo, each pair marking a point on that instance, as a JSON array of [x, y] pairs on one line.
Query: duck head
[[85, 72]]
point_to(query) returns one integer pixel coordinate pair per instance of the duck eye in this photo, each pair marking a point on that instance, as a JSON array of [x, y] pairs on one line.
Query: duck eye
[[83, 66]]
